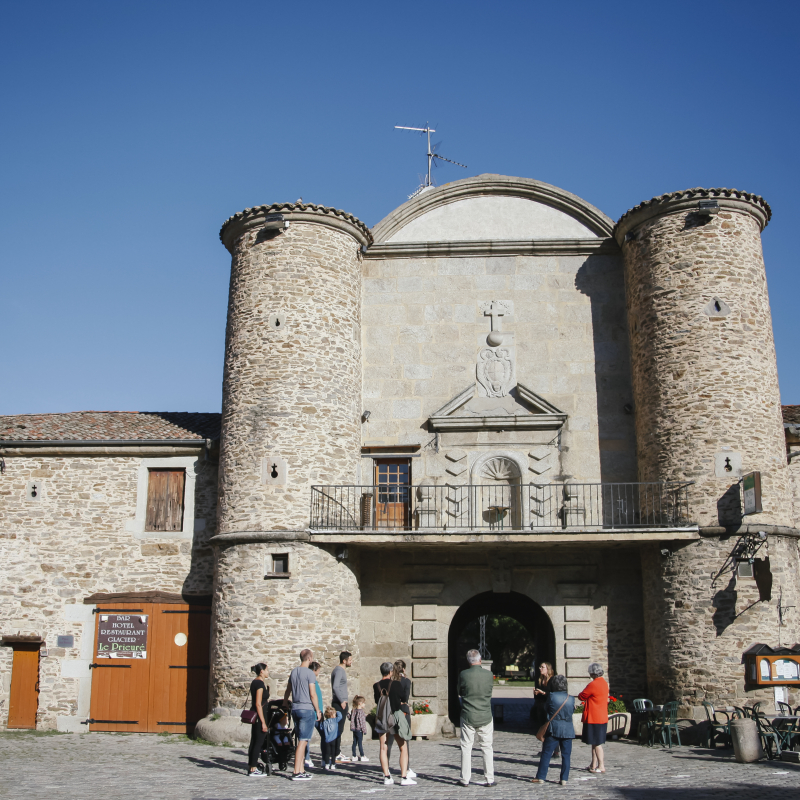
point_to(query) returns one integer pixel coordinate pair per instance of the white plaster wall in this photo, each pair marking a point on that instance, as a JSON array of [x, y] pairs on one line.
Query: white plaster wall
[[484, 218]]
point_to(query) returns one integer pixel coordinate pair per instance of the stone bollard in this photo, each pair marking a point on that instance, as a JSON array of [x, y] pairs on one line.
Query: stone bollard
[[746, 741]]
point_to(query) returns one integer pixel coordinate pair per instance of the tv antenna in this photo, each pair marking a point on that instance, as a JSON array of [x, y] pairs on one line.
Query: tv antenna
[[427, 181]]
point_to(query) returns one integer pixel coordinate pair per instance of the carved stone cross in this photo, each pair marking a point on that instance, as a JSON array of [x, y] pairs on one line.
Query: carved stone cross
[[495, 309]]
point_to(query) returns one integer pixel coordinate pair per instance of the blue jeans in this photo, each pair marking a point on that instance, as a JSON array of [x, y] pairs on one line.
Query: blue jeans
[[304, 719], [358, 739], [548, 748]]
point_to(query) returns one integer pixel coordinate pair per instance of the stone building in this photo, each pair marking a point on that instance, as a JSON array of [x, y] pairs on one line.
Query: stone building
[[495, 401]]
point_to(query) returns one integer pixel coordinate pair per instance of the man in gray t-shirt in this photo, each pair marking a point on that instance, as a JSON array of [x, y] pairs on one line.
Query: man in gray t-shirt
[[305, 710]]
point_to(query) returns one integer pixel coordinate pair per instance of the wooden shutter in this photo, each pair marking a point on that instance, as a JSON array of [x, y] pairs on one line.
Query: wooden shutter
[[165, 500]]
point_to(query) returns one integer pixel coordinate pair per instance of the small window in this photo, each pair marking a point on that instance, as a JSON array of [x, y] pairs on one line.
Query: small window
[[165, 499], [280, 564]]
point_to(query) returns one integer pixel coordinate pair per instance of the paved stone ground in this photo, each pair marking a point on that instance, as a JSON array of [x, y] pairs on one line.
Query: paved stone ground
[[141, 766]]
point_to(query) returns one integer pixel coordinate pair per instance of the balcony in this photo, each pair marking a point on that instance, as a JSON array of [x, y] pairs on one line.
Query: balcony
[[503, 511]]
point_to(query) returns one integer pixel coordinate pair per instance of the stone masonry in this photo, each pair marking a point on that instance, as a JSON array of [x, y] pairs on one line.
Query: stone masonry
[[76, 541]]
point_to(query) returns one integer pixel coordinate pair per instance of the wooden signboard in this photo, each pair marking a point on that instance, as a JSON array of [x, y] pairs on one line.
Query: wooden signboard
[[122, 636], [772, 670]]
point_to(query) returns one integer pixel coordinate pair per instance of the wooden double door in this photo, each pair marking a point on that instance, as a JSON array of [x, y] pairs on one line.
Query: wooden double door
[[150, 667]]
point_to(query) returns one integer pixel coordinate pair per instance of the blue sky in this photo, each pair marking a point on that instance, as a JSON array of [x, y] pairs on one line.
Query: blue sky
[[131, 131]]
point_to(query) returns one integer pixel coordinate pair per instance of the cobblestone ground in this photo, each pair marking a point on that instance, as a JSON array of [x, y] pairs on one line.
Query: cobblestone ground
[[140, 767]]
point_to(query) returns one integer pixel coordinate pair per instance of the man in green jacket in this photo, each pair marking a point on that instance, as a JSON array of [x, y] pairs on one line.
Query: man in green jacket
[[475, 690]]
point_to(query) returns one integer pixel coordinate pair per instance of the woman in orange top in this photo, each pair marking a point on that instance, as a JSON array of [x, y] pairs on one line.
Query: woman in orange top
[[595, 716]]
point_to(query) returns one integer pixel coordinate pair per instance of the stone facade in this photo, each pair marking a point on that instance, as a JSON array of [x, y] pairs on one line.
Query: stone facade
[[271, 619], [77, 540], [704, 372], [499, 332], [292, 382]]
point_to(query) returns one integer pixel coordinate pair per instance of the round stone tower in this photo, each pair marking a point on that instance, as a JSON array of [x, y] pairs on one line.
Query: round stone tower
[[708, 411], [290, 419]]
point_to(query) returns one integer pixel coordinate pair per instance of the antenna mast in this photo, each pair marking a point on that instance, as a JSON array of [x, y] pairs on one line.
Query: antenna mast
[[432, 154]]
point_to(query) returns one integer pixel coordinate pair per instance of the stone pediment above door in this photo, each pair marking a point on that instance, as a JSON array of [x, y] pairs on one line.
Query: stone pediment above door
[[521, 409]]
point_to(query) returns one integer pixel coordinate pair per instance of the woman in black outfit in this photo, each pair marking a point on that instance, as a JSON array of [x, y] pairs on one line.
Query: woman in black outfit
[[398, 691], [259, 691]]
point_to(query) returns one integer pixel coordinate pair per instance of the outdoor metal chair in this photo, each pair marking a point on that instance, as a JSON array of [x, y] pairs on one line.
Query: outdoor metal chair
[[756, 711], [644, 707], [716, 727], [740, 713], [787, 730], [771, 739], [668, 723], [784, 709]]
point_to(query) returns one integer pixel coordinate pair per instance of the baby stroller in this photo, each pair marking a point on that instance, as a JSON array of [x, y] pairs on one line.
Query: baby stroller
[[281, 739]]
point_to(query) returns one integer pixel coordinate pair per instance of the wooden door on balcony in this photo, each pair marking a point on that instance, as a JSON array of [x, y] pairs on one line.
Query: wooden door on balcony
[[392, 483]]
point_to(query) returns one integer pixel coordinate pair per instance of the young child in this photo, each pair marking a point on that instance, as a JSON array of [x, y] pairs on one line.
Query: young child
[[281, 724], [330, 733], [358, 724]]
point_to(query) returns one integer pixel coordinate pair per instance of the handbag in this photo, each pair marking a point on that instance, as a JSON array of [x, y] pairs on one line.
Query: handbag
[[542, 732], [249, 716]]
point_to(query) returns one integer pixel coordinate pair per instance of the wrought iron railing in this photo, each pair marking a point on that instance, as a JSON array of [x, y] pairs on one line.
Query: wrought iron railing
[[529, 506]]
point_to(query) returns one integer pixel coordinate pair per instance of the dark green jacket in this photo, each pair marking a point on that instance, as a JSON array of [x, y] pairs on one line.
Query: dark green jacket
[[475, 689]]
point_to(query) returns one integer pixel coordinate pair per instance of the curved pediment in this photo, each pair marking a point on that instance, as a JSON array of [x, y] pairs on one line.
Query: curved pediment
[[493, 208]]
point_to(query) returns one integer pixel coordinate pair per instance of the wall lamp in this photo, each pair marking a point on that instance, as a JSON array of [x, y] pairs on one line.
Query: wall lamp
[[365, 416]]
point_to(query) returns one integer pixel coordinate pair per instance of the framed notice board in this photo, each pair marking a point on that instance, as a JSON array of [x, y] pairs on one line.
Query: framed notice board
[[762, 669]]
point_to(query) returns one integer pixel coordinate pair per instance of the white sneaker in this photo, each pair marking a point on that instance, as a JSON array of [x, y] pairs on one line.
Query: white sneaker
[[410, 773], [309, 763], [364, 758], [343, 758], [256, 773], [325, 767], [407, 782], [388, 780], [332, 767]]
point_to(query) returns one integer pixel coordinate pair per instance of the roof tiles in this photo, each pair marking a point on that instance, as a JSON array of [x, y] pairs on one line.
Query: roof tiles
[[112, 426]]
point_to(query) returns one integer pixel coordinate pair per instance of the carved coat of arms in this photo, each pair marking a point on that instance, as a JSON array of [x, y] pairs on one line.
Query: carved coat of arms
[[494, 371]]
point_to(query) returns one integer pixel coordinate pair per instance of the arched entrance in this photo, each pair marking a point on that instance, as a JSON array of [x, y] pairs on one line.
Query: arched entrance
[[510, 604]]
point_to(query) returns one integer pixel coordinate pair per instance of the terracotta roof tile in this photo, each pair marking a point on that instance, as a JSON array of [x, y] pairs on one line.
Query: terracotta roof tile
[[95, 426], [791, 414]]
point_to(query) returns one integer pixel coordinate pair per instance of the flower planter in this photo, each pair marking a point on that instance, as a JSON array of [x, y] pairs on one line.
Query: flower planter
[[619, 725], [424, 725]]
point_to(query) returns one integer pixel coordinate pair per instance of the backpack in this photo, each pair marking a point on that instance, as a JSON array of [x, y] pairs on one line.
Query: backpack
[[384, 719]]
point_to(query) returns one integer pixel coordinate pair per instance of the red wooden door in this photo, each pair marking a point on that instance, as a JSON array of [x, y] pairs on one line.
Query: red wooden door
[[392, 480], [24, 700], [120, 686]]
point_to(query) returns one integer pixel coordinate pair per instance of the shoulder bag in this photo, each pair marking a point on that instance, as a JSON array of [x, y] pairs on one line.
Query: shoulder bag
[[542, 732], [249, 716]]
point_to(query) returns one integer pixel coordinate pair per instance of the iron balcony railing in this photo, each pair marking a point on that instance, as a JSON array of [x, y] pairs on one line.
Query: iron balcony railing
[[519, 507]]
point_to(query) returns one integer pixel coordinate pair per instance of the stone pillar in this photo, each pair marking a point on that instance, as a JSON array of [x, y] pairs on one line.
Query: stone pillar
[[707, 410], [290, 419]]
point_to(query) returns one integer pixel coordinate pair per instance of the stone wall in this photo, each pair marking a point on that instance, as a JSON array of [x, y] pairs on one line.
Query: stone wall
[[698, 622], [270, 620], [704, 371], [292, 382], [74, 541], [410, 597], [423, 328]]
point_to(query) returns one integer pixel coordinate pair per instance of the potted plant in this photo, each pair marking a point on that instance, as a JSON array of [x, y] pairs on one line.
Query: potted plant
[[423, 720], [619, 719]]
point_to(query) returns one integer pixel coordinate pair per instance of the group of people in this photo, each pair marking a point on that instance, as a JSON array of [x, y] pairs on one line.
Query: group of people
[[553, 710]]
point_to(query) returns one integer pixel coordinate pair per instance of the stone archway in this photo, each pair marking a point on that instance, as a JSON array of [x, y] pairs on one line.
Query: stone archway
[[511, 604]]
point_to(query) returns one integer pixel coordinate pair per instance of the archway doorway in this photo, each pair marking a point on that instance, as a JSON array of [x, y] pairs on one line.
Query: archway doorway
[[519, 607]]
